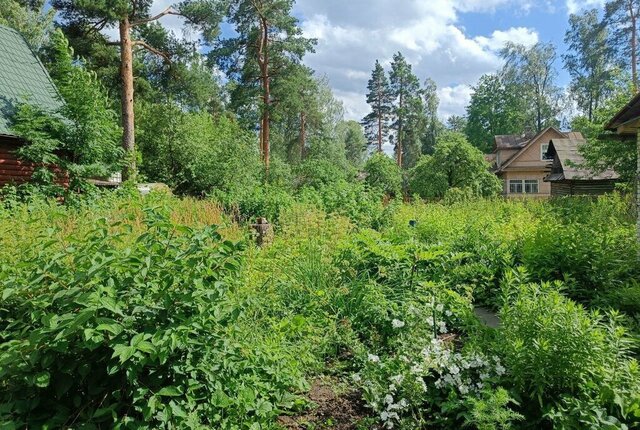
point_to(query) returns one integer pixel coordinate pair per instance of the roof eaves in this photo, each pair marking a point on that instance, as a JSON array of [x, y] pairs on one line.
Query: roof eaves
[[528, 145]]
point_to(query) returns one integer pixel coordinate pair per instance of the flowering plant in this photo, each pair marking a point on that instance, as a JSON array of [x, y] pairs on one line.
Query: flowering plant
[[425, 379]]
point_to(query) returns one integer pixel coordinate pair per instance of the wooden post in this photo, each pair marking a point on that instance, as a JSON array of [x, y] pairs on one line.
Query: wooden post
[[638, 189], [263, 230]]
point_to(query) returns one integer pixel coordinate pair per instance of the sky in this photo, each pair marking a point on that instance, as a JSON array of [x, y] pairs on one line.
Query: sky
[[453, 42]]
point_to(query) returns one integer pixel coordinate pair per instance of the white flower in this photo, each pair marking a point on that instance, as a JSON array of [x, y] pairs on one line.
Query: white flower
[[388, 399], [442, 327], [356, 377], [484, 376], [374, 358], [384, 416], [500, 370], [463, 389], [397, 323], [403, 403], [422, 384], [440, 307], [416, 368], [454, 370], [448, 313], [397, 379]]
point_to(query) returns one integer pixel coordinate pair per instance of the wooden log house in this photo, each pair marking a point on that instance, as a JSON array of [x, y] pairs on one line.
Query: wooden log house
[[626, 124], [568, 178], [23, 78]]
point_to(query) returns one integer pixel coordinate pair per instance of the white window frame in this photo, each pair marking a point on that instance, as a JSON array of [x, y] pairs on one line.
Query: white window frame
[[516, 182], [543, 152], [522, 184], [531, 182]]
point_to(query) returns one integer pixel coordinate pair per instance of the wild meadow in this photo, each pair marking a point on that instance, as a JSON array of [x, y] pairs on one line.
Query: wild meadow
[[158, 312]]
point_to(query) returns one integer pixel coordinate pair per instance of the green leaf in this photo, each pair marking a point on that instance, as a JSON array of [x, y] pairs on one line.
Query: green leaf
[[42, 379], [170, 391]]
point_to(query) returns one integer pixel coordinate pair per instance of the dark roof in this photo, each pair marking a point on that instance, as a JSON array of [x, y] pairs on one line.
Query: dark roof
[[566, 153], [629, 112], [22, 78], [512, 141], [533, 140]]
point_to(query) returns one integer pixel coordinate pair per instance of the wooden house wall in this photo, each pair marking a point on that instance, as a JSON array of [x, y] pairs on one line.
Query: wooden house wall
[[581, 188], [15, 171]]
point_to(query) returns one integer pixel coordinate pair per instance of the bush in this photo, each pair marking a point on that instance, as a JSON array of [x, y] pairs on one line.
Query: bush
[[148, 337], [384, 174], [454, 164], [556, 353]]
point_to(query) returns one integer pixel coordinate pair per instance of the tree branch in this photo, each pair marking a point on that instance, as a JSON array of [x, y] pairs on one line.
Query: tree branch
[[151, 49], [168, 11]]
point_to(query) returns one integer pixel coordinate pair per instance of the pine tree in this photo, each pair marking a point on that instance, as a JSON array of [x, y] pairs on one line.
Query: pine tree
[[269, 41], [379, 98], [406, 105], [430, 104], [131, 17]]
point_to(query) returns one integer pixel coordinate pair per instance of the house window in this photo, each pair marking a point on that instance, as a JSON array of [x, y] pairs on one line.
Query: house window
[[526, 186], [516, 186], [531, 186], [544, 148]]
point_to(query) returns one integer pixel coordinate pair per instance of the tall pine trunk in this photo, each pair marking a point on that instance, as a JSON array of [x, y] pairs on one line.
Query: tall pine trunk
[[400, 120], [379, 124], [128, 121], [303, 133], [634, 46], [263, 61]]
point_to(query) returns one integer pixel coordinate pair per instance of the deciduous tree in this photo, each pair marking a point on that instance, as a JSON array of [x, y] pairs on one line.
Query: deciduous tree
[[532, 73], [589, 61]]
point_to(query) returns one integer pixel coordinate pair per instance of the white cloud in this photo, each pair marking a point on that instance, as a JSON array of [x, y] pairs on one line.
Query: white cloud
[[575, 6], [498, 39], [454, 100], [353, 34]]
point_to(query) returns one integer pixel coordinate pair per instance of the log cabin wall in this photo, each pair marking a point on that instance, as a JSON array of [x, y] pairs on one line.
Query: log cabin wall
[[14, 171], [582, 188]]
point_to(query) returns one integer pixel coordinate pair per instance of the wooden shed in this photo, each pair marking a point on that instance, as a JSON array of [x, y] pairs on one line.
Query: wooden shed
[[568, 178], [23, 78]]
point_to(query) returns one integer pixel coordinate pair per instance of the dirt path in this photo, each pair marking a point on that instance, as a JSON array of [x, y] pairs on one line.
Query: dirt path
[[334, 410]]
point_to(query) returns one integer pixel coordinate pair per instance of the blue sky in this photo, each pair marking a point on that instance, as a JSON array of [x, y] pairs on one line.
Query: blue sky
[[453, 42]]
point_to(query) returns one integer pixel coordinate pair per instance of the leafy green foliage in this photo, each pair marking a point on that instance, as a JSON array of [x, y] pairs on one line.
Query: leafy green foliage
[[85, 129], [563, 358], [495, 108], [196, 153], [32, 21], [455, 164], [491, 411], [384, 174]]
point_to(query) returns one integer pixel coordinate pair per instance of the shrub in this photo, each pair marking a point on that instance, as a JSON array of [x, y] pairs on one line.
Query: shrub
[[94, 335], [555, 351], [384, 174], [454, 164]]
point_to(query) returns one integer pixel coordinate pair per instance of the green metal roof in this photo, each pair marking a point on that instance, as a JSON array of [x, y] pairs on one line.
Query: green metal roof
[[22, 78]]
